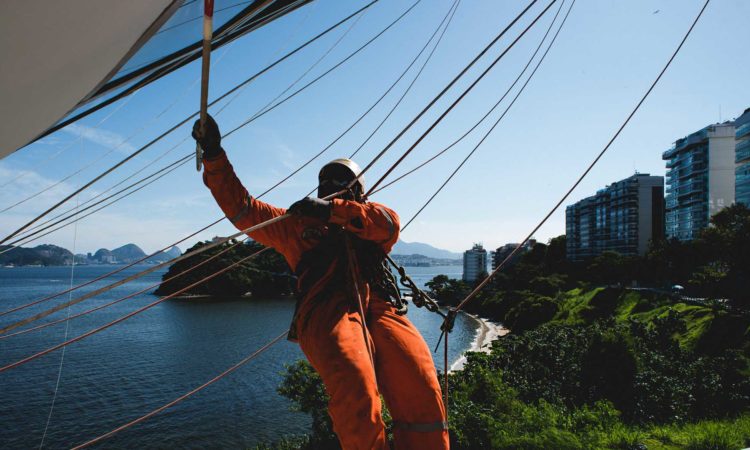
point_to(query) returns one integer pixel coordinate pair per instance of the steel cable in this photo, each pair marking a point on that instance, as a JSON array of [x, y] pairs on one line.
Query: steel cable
[[457, 100], [499, 119], [588, 169], [174, 127]]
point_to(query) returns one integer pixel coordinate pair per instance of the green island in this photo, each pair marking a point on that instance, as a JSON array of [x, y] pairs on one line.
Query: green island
[[265, 275]]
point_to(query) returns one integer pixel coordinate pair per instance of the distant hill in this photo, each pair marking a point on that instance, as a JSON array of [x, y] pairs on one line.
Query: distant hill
[[44, 255], [52, 255], [418, 248], [128, 253]]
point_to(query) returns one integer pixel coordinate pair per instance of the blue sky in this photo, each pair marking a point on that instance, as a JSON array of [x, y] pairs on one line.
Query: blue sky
[[604, 59]]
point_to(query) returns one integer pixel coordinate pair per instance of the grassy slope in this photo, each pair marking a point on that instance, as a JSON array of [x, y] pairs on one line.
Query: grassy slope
[[579, 306]]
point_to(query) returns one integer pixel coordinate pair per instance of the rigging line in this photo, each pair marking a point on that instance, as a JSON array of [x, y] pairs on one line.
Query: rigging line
[[174, 127], [363, 115], [130, 314], [334, 67], [445, 89], [77, 211], [309, 69], [120, 144], [144, 272], [213, 380], [280, 49], [484, 282], [158, 72], [460, 97], [455, 6], [510, 105], [260, 112], [129, 296], [148, 164], [65, 337], [470, 130], [108, 274], [68, 146]]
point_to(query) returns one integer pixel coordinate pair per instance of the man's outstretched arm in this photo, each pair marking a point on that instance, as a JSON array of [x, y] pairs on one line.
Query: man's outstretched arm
[[237, 204]]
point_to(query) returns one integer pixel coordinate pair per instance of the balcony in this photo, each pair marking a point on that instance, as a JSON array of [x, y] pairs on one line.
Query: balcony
[[742, 131], [742, 151]]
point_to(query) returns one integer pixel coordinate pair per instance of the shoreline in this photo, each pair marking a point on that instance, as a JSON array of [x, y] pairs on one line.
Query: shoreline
[[488, 331]]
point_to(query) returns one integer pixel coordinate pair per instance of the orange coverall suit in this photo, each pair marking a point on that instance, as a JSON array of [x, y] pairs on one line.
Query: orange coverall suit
[[329, 328]]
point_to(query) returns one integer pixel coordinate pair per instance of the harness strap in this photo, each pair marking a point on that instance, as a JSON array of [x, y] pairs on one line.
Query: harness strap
[[420, 427]]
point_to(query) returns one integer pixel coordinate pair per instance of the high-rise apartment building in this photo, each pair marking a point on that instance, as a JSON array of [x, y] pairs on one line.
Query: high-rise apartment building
[[742, 158], [475, 263], [623, 217], [700, 179]]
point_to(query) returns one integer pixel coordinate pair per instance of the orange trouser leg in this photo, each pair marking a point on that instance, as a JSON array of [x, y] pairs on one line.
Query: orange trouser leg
[[407, 379], [331, 337]]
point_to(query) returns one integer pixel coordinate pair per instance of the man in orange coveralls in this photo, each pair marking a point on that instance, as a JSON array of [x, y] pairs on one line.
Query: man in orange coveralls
[[322, 242]]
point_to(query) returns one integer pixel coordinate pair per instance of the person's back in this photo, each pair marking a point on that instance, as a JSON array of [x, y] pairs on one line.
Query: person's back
[[345, 319]]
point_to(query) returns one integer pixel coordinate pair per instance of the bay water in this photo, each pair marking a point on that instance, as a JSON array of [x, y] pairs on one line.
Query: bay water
[[152, 358]]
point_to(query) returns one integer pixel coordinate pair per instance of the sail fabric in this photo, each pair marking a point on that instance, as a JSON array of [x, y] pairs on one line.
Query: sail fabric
[[64, 60]]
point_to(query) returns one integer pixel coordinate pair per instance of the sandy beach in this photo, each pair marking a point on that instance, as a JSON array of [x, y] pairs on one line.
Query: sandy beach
[[488, 331]]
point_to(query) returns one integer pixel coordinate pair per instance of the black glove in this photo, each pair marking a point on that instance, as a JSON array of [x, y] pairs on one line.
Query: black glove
[[210, 141], [311, 207]]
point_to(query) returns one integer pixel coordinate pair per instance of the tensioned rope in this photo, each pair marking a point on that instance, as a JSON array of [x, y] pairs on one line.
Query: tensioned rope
[[449, 16], [45, 313], [181, 161], [130, 314], [477, 123], [500, 266], [163, 171], [411, 84], [500, 118], [260, 196], [218, 220], [458, 99], [447, 87], [213, 380], [65, 337], [65, 147], [129, 296], [263, 224], [195, 82], [176, 126]]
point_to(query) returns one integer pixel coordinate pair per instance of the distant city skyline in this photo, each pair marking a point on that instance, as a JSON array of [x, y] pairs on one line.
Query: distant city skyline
[[602, 62]]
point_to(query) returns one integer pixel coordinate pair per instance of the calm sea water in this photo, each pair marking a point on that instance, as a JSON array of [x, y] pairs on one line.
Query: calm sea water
[[140, 364]]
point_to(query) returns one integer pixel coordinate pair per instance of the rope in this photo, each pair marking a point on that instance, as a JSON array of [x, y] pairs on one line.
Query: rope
[[461, 97], [445, 89], [473, 127], [452, 12], [37, 164], [213, 380], [108, 274], [65, 337], [129, 296], [484, 282], [499, 119], [174, 127], [361, 9], [126, 316], [334, 67], [361, 117]]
